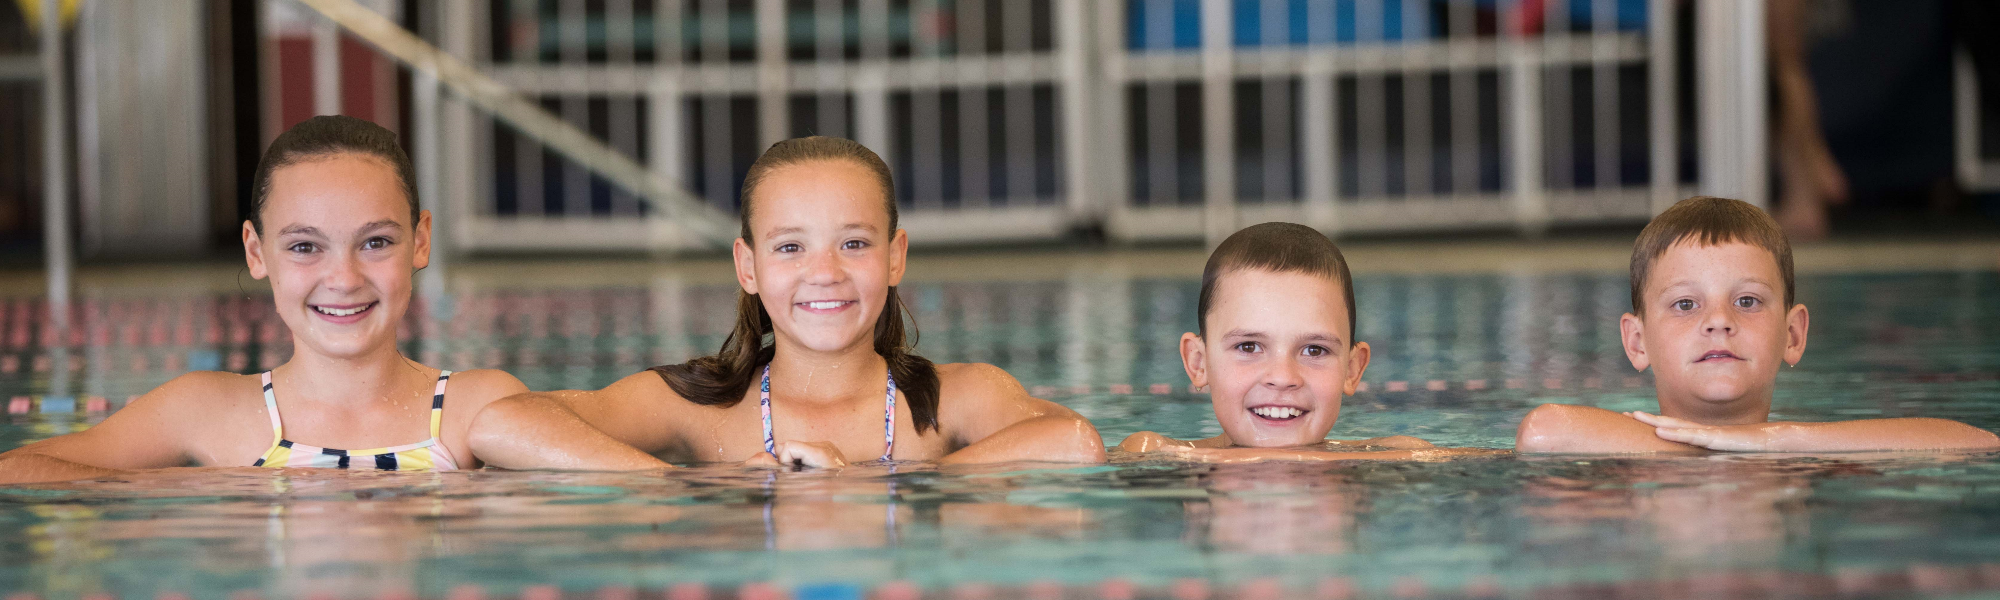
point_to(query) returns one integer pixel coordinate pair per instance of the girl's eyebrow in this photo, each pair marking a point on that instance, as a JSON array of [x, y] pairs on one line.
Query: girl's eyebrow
[[296, 229], [385, 223]]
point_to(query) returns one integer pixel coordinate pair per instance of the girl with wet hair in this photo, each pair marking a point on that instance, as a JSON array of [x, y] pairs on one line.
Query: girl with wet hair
[[336, 227], [818, 370]]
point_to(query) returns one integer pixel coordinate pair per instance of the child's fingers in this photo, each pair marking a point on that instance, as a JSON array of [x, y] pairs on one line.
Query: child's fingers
[[761, 459]]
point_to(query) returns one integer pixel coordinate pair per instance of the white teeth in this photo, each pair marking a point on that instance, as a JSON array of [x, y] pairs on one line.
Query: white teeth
[[341, 312], [825, 305], [1277, 412]]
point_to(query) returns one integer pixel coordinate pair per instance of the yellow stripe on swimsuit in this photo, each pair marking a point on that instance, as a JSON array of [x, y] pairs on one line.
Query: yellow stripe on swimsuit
[[427, 455]]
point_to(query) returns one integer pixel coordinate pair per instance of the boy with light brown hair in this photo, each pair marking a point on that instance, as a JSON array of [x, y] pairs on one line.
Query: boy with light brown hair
[[1714, 316]]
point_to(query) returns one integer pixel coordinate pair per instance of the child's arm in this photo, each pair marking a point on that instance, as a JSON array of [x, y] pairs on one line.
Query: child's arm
[[1587, 429], [1148, 441], [1838, 436], [998, 421], [147, 433], [1246, 455], [545, 431]]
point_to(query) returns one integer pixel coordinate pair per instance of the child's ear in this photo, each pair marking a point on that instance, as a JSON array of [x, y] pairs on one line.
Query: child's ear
[[1632, 333], [1357, 363], [899, 253], [423, 241], [746, 266], [1194, 358], [1796, 321], [253, 251]]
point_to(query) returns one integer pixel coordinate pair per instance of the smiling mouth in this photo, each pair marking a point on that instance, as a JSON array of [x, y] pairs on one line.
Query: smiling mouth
[[1278, 413], [343, 312], [1718, 355], [825, 305]]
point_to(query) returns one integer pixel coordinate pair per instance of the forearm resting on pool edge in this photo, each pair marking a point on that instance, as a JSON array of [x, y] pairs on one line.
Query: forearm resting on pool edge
[[536, 431], [1838, 436]]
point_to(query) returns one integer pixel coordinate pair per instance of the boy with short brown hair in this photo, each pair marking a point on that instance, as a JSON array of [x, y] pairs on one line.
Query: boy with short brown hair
[[1277, 352], [1713, 315]]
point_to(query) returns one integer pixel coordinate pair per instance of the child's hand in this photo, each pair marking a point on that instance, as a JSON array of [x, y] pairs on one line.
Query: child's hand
[[819, 455], [1737, 438], [1227, 455], [1145, 441]]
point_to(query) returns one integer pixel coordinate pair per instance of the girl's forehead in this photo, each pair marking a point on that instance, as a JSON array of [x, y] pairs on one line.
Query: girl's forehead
[[345, 184]]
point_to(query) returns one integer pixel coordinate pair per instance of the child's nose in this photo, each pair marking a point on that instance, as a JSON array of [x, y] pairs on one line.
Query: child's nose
[[1284, 376], [823, 269], [1720, 321]]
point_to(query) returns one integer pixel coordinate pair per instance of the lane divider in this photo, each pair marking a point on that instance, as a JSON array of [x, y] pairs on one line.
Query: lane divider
[[1843, 582]]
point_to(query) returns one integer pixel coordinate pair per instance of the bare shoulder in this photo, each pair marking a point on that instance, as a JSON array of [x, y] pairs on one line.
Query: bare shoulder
[[977, 381], [478, 387], [200, 391]]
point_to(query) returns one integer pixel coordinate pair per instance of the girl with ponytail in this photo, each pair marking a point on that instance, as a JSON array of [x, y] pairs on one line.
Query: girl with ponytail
[[818, 369]]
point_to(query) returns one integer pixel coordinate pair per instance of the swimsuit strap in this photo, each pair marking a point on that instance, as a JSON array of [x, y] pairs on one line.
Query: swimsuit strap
[[437, 403], [888, 415], [271, 406]]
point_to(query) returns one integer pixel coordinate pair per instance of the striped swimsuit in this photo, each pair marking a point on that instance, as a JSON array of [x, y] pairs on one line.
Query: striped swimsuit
[[888, 416], [427, 455]]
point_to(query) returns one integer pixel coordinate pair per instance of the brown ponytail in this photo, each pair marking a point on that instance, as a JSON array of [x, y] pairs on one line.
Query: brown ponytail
[[723, 378]]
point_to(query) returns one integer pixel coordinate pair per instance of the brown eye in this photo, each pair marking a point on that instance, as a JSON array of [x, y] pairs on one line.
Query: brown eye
[[1249, 347], [789, 247], [1747, 302], [1683, 304], [303, 248], [1315, 351]]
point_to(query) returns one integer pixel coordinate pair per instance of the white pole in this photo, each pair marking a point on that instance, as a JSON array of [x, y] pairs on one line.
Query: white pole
[[326, 66], [1661, 97], [1218, 108], [55, 169]]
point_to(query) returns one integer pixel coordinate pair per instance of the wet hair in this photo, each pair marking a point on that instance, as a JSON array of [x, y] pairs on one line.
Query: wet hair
[[723, 378], [1708, 221], [323, 137], [1278, 248]]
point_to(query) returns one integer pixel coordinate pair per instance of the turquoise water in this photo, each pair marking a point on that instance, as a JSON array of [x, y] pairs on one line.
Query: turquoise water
[[1459, 359]]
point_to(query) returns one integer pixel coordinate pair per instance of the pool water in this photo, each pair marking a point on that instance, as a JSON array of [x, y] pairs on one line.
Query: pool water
[[1459, 359]]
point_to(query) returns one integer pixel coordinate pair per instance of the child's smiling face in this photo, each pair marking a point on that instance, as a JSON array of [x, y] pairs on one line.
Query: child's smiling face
[[1715, 330], [1277, 357], [822, 256], [340, 249]]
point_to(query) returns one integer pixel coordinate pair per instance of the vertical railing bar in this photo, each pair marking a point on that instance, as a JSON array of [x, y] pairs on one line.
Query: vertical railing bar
[[1078, 89], [55, 168], [621, 32], [1664, 128], [974, 170], [525, 51], [1559, 68], [718, 113], [1319, 122], [1218, 114], [1464, 40], [871, 93], [572, 45], [1371, 98], [1108, 141], [829, 51], [325, 66], [1017, 20], [1417, 69], [1523, 129], [1606, 111], [774, 121], [926, 107], [1276, 101], [460, 178], [1162, 122]]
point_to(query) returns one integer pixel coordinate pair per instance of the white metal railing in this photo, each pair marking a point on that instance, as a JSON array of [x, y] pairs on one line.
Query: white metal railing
[[1152, 119]]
